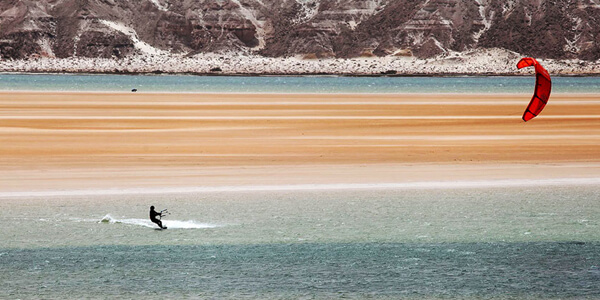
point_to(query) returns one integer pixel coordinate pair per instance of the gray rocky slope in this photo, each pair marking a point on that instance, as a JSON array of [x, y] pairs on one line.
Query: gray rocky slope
[[342, 29]]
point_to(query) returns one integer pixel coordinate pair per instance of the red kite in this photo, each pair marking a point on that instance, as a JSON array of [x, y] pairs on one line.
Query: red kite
[[543, 85]]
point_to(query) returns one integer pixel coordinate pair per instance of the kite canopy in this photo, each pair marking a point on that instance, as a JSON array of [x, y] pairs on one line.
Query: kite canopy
[[543, 85]]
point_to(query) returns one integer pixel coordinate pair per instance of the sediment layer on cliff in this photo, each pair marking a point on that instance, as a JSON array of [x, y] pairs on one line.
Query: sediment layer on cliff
[[552, 29]]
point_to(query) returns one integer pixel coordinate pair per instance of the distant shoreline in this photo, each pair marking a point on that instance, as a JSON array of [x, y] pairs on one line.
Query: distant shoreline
[[488, 62], [296, 74]]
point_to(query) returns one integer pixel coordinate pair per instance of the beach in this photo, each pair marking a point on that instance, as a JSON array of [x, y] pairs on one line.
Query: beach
[[105, 140], [477, 62]]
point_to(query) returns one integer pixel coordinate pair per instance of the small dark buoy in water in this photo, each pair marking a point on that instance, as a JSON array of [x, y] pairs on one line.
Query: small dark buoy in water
[[134, 90]]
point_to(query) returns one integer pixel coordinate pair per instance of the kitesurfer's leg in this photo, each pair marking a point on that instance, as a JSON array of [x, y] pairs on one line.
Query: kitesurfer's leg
[[158, 222], [161, 225]]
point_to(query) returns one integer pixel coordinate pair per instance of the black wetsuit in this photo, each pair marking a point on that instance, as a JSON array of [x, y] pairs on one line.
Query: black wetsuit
[[153, 215]]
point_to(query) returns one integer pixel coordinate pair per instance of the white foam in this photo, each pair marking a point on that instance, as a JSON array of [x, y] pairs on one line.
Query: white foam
[[313, 187], [171, 224]]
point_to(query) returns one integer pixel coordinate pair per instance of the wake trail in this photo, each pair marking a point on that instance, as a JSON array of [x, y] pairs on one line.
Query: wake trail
[[171, 224]]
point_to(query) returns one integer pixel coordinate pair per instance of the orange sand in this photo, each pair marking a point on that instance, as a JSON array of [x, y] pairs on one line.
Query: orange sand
[[52, 140]]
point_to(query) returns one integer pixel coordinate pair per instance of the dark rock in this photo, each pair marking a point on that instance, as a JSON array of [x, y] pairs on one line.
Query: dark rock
[[320, 28]]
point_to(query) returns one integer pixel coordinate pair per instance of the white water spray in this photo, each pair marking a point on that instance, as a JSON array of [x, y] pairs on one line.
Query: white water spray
[[171, 224]]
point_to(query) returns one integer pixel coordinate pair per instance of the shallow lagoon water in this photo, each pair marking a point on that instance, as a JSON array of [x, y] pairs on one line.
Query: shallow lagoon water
[[291, 84], [308, 270], [532, 242], [517, 242]]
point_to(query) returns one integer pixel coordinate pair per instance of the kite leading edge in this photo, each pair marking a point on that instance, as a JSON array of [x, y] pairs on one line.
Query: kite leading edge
[[543, 85]]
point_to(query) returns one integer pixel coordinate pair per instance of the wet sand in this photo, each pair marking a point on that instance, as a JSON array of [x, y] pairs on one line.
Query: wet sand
[[62, 141]]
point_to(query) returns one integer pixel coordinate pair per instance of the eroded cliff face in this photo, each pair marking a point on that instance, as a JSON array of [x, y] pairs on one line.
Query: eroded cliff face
[[311, 28]]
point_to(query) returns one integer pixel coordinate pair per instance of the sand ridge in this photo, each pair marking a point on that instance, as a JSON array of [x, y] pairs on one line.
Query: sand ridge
[[54, 140]]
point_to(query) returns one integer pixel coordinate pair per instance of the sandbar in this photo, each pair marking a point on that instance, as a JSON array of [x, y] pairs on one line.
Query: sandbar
[[53, 141]]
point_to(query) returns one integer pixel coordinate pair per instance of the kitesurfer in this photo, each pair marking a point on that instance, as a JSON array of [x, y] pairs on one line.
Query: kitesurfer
[[153, 215]]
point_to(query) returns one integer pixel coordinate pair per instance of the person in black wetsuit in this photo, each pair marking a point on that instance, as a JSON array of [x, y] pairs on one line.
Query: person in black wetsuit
[[153, 215]]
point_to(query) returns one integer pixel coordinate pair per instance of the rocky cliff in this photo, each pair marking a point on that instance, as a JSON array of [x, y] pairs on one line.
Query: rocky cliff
[[558, 29]]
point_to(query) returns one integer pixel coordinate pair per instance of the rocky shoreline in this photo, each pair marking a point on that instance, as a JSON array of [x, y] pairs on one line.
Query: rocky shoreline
[[485, 62]]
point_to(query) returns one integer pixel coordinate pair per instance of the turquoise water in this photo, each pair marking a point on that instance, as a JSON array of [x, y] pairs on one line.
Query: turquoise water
[[468, 243], [308, 271], [274, 84]]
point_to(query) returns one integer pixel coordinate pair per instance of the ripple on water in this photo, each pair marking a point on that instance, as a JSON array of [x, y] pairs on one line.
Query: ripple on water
[[276, 271]]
